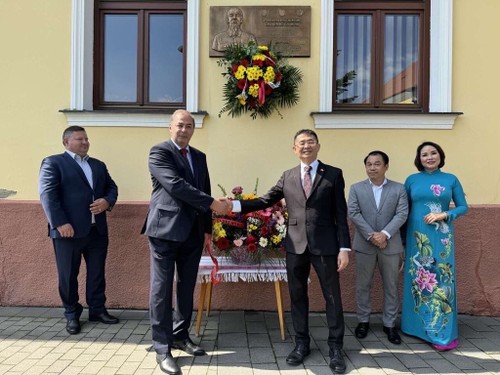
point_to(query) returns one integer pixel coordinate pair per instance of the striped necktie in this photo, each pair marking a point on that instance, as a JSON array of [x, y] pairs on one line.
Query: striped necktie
[[307, 180]]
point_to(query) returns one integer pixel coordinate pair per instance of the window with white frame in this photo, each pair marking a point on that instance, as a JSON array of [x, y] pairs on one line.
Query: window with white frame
[[138, 55], [82, 110], [382, 54], [423, 103]]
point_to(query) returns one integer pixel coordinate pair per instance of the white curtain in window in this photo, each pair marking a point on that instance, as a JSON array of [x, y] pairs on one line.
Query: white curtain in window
[[353, 73], [401, 52]]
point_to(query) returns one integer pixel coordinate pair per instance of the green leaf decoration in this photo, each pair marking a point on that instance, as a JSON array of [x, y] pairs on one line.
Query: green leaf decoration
[[444, 303], [423, 244]]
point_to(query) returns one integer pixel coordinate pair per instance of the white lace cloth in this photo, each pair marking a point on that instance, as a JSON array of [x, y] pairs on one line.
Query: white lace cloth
[[268, 271]]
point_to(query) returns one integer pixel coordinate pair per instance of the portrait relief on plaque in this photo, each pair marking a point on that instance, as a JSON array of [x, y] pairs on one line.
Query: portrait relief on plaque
[[287, 28]]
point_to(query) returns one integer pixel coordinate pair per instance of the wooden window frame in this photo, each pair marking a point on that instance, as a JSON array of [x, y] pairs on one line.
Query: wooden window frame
[[379, 10], [143, 10]]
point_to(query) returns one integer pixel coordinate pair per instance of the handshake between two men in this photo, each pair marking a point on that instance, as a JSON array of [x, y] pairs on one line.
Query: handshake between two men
[[221, 206]]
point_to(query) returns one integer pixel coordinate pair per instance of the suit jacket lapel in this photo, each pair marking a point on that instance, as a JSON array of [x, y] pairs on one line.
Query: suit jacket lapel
[[182, 160], [196, 165], [93, 167], [369, 194], [73, 164], [297, 179], [385, 192], [319, 176]]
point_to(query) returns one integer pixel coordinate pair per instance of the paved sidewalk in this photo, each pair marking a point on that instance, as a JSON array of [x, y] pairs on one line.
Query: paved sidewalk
[[34, 341]]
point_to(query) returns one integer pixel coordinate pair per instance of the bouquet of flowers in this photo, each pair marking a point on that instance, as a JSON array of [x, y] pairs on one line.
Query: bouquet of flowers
[[250, 238], [258, 81]]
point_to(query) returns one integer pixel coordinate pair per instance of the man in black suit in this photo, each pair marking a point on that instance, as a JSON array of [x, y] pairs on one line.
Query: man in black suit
[[178, 226], [76, 191], [317, 235]]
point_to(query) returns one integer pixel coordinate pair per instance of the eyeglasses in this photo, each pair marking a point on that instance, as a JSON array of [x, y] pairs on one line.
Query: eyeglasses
[[309, 142]]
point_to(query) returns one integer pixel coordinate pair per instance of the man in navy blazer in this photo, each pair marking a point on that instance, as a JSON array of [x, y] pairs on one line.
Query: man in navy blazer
[[378, 207], [178, 226], [76, 191], [317, 235]]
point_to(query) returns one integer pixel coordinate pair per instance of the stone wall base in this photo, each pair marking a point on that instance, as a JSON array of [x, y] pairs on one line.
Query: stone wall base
[[28, 274]]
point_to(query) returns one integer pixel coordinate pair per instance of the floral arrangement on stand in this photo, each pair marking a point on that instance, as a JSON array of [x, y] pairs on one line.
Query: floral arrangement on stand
[[250, 238], [258, 81]]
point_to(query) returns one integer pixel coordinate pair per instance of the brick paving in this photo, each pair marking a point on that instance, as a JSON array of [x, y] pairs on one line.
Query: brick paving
[[34, 341]]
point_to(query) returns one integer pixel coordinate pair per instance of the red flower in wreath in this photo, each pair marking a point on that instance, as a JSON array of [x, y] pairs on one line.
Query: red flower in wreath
[[222, 243], [252, 248], [250, 240]]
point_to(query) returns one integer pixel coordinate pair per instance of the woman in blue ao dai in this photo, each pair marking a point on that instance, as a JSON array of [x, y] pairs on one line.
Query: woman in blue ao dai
[[429, 308]]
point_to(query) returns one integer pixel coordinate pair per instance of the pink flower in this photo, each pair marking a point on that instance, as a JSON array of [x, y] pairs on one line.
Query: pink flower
[[437, 189], [238, 242], [237, 190], [445, 241], [425, 279], [266, 213]]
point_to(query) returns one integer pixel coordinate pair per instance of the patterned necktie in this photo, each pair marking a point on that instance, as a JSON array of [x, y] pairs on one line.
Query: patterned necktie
[[184, 152], [307, 180]]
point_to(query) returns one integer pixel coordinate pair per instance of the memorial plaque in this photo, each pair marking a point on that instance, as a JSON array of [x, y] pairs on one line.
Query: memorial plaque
[[287, 28]]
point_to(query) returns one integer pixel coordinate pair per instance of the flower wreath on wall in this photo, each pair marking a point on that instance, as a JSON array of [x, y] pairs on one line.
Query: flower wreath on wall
[[251, 238], [258, 80]]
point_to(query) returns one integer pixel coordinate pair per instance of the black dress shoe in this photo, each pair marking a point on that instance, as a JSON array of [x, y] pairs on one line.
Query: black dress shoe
[[392, 335], [337, 363], [362, 330], [73, 326], [167, 364], [297, 355], [189, 347], [104, 318]]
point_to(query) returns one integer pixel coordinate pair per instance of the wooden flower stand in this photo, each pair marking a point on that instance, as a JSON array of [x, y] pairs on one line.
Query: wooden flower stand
[[268, 271]]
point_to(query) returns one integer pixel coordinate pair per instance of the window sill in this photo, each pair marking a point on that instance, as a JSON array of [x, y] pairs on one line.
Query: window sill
[[140, 119], [385, 120]]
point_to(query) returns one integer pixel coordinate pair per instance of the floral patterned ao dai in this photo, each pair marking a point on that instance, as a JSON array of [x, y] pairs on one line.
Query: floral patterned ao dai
[[429, 308]]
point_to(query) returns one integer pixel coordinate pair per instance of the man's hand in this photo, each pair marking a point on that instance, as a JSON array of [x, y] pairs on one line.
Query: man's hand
[[379, 239], [221, 206], [99, 206], [66, 230], [342, 260]]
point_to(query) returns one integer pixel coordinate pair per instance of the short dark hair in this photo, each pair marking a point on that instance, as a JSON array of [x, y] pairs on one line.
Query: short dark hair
[[385, 157], [308, 132], [69, 131], [418, 162]]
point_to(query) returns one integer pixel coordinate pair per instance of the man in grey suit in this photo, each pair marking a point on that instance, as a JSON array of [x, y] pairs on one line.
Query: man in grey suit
[[378, 207], [318, 236]]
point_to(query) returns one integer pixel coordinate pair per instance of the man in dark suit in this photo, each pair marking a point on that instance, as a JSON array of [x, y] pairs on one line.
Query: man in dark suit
[[317, 235], [76, 191], [178, 226], [378, 207]]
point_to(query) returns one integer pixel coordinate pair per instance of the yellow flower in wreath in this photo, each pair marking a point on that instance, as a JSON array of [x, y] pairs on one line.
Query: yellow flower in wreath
[[240, 73], [254, 90]]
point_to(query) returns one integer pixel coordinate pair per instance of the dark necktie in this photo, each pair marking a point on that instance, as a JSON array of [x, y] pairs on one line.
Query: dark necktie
[[307, 180], [184, 152]]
